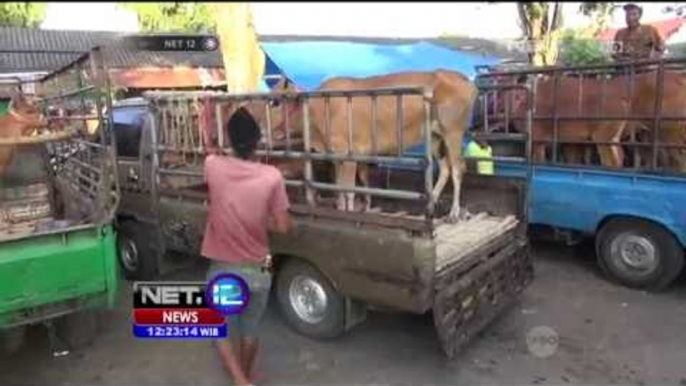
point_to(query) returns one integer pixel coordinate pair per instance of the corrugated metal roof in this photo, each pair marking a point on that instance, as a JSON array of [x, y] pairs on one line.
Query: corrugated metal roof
[[61, 47]]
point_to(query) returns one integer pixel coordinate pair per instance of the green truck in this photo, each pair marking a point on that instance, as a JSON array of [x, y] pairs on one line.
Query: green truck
[[57, 202]]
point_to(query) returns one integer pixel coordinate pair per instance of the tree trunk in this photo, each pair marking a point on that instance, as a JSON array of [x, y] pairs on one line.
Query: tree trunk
[[541, 28], [241, 53]]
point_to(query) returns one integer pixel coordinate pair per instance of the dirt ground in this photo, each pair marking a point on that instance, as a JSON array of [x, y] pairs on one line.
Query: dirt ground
[[605, 334]]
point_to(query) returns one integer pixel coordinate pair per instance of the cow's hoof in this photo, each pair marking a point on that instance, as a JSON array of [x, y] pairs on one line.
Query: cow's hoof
[[452, 219], [462, 215]]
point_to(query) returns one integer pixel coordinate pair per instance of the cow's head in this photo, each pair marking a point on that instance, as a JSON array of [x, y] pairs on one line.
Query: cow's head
[[271, 109], [27, 112], [279, 107]]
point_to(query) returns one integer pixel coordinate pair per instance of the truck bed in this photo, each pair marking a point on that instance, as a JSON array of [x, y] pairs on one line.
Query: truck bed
[[456, 241]]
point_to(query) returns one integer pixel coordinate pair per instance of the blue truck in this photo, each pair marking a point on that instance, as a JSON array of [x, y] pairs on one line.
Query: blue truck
[[638, 219], [635, 213]]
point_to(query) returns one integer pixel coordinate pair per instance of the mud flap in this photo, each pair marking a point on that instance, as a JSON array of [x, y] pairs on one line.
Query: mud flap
[[470, 296]]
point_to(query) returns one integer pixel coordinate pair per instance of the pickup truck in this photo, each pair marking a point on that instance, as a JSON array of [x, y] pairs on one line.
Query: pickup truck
[[635, 212], [58, 260], [334, 265]]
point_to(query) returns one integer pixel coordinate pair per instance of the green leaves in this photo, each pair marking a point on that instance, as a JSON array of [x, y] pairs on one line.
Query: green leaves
[[173, 16], [16, 14], [576, 50]]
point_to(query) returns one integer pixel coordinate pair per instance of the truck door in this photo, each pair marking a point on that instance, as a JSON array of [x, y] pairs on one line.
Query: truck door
[[129, 122]]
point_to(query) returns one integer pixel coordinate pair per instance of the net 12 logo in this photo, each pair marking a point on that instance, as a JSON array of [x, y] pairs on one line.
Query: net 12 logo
[[187, 310]]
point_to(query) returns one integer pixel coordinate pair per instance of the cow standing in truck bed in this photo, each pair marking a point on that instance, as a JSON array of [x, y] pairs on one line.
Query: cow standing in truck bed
[[453, 97], [619, 96], [565, 100], [21, 119]]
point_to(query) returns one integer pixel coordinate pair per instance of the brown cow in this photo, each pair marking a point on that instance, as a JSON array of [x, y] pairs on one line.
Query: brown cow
[[22, 118], [639, 100], [598, 100], [671, 132], [453, 96]]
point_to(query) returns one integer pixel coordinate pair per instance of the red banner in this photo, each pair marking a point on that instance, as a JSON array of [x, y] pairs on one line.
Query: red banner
[[186, 316]]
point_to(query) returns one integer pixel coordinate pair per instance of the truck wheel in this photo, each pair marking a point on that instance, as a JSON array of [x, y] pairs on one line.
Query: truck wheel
[[639, 254], [11, 340], [309, 302], [77, 329], [138, 259]]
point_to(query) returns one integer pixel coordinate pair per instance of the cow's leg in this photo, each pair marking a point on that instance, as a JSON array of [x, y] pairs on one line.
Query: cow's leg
[[539, 153], [573, 154], [443, 174], [610, 155], [363, 173], [437, 144], [445, 171], [453, 142], [675, 159], [345, 176]]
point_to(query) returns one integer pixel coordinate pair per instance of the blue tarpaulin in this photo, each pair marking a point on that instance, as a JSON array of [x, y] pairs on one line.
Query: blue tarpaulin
[[308, 64]]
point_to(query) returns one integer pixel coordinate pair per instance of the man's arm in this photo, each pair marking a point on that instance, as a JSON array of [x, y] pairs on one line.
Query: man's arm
[[282, 222], [279, 208], [658, 45]]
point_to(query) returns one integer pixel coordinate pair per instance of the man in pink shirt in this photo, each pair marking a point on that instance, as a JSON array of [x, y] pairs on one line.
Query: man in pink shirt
[[246, 198]]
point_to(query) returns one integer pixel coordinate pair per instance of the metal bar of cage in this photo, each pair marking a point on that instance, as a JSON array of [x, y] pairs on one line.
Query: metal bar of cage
[[308, 161], [375, 125], [162, 97], [556, 122], [659, 83], [399, 123], [614, 67], [405, 160], [387, 193]]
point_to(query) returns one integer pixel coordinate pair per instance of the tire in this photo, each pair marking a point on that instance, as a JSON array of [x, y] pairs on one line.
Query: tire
[[138, 258], [77, 329], [11, 340], [296, 277], [655, 261]]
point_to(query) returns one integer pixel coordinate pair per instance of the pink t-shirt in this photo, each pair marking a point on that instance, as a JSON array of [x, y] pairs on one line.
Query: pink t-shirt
[[242, 197]]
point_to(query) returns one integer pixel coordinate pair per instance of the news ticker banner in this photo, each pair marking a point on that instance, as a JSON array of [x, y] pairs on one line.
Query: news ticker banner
[[188, 310]]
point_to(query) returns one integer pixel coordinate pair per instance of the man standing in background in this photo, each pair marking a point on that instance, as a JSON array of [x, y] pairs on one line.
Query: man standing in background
[[245, 197], [637, 41]]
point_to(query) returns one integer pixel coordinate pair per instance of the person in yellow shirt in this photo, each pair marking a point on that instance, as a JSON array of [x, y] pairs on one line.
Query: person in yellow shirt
[[478, 148]]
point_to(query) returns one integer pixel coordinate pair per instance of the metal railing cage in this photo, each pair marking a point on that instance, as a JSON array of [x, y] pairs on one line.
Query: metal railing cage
[[309, 129], [77, 143], [653, 138]]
